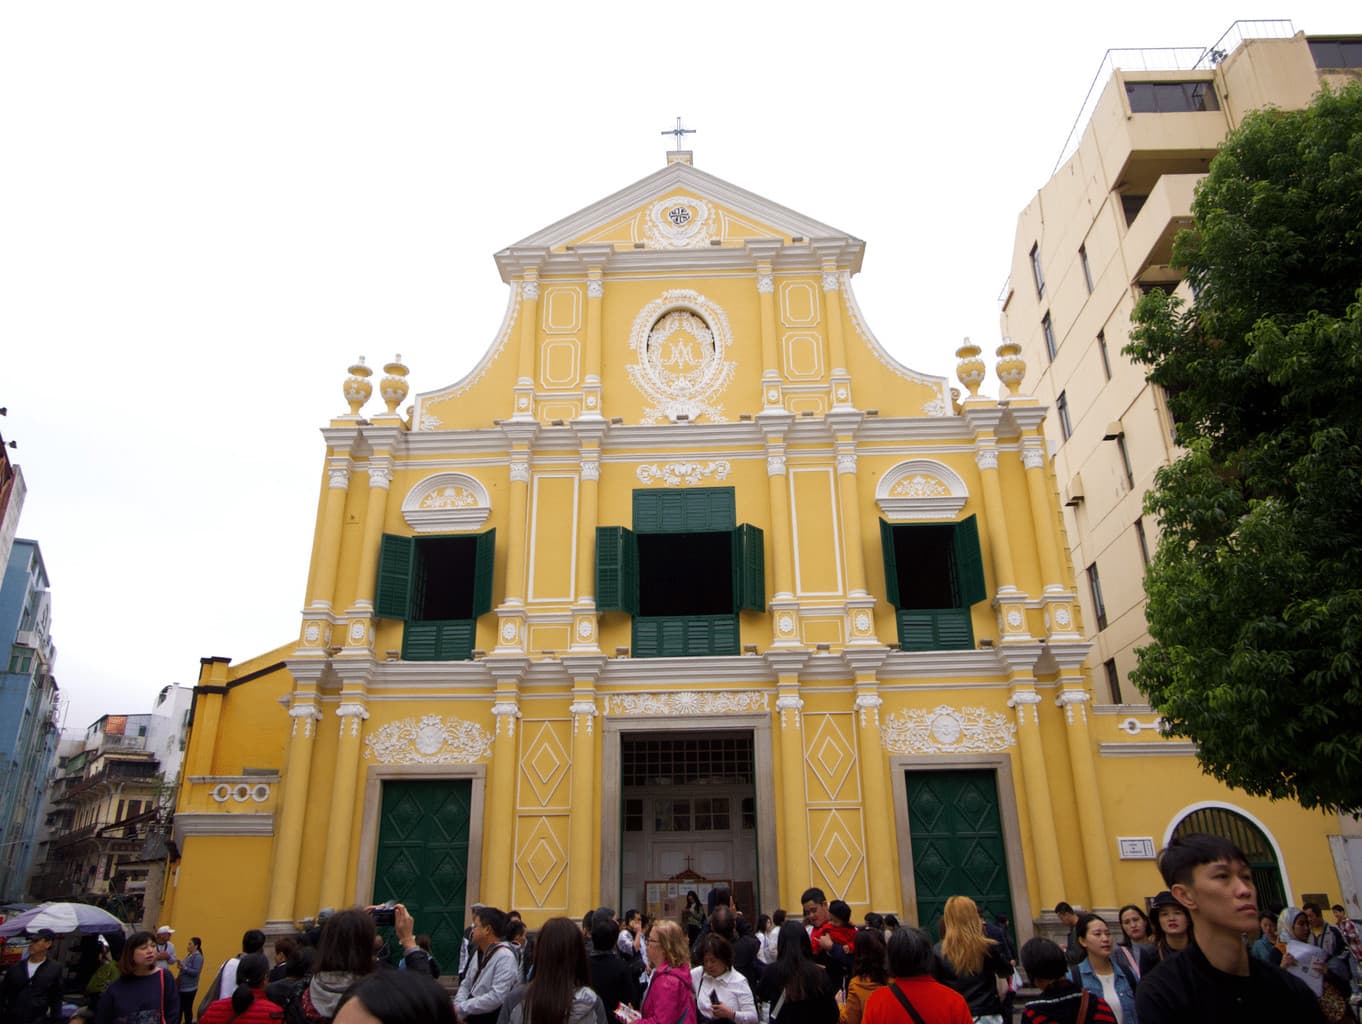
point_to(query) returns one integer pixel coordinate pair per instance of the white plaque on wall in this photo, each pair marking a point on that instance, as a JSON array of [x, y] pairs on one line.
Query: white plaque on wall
[[1135, 847]]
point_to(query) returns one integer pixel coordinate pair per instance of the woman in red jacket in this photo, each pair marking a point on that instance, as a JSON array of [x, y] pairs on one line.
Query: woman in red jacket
[[670, 999], [248, 1004]]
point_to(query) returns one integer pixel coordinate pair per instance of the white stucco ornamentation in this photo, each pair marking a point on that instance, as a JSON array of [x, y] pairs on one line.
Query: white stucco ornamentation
[[830, 282], [1033, 457], [1062, 617], [785, 623], [686, 702], [446, 503], [307, 714], [947, 730], [677, 474], [508, 712], [359, 632], [789, 706], [862, 622], [846, 462], [1133, 726], [509, 631], [921, 489], [338, 479], [680, 341], [591, 469], [775, 465], [429, 739], [936, 407], [530, 289], [766, 284], [1023, 699], [986, 458], [380, 476], [679, 222], [240, 791], [355, 712], [582, 711], [594, 289], [1069, 699], [1014, 618], [312, 632], [868, 704], [520, 471], [585, 629]]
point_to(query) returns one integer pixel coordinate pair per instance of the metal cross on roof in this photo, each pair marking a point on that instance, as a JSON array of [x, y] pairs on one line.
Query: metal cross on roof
[[679, 132]]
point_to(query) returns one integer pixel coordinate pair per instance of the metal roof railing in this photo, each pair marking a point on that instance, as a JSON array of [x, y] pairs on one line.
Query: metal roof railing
[[1171, 58]]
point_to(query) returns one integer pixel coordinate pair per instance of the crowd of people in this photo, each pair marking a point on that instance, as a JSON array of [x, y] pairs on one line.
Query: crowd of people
[[1202, 954]]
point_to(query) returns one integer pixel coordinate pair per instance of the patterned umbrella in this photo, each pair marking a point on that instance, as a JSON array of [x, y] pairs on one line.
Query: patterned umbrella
[[62, 918]]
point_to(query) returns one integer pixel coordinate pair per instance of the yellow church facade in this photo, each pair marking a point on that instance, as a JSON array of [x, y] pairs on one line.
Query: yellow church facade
[[687, 583]]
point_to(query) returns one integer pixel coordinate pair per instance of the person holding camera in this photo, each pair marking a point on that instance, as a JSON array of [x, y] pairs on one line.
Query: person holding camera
[[345, 955]]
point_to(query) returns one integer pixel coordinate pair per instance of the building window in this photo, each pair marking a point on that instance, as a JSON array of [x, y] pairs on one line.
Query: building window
[[1098, 607], [633, 815], [749, 813], [1113, 680], [1171, 97], [685, 572], [1102, 351], [711, 814], [1066, 428], [1125, 461], [1036, 271], [438, 586], [1167, 287], [1048, 329], [1144, 542], [1336, 53], [1131, 205], [933, 574], [1087, 270], [671, 816]]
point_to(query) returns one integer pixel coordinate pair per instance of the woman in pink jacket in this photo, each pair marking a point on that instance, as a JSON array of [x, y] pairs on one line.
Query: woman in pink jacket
[[669, 999]]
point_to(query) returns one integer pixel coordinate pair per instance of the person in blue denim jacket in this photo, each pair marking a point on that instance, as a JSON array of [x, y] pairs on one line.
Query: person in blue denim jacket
[[1107, 970]]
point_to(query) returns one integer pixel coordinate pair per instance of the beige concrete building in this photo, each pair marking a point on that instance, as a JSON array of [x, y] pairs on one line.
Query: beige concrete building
[[1098, 235]]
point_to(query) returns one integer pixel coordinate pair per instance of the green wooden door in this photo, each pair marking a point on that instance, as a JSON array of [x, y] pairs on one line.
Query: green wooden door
[[957, 841], [423, 858]]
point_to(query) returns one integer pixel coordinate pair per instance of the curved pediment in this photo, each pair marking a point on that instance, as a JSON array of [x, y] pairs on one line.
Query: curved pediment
[[921, 489]]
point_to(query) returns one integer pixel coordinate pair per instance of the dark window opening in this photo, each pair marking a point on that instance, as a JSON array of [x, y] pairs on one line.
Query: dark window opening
[[926, 562], [1125, 461], [1087, 269], [1036, 271], [1102, 350], [1113, 680], [1066, 427], [1048, 329], [1167, 287], [1336, 53], [445, 574], [1171, 97], [685, 574], [1144, 541], [1099, 607], [1131, 205]]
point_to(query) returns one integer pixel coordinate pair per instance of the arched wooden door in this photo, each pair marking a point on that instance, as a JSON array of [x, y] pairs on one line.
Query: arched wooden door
[[1222, 822]]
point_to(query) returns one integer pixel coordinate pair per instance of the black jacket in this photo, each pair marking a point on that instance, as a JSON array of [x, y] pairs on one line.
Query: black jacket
[[613, 978], [1186, 989], [25, 1000]]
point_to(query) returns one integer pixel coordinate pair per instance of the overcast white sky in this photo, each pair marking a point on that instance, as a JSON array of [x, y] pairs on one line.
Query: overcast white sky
[[207, 211]]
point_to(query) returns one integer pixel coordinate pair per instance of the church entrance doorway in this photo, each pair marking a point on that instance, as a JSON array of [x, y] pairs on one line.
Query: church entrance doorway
[[422, 856], [686, 809]]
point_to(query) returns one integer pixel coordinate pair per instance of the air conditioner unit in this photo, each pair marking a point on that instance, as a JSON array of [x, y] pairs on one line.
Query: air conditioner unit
[[1074, 492]]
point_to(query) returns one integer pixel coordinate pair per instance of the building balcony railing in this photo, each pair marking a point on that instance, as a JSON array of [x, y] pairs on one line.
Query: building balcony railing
[[116, 772]]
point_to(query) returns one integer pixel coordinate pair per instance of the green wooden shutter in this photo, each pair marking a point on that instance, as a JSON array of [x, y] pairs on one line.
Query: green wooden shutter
[[482, 573], [451, 640], [616, 570], [935, 629], [696, 510], [749, 569], [969, 562], [392, 596], [647, 638], [724, 636], [420, 641], [891, 566]]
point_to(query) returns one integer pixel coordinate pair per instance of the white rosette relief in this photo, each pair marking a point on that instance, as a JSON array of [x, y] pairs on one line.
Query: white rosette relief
[[429, 739]]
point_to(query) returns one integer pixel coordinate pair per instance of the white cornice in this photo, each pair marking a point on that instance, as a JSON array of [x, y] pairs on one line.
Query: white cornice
[[1156, 749], [224, 823]]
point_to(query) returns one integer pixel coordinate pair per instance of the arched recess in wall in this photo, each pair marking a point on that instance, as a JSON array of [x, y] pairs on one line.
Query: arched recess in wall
[[446, 503], [1249, 835], [921, 489]]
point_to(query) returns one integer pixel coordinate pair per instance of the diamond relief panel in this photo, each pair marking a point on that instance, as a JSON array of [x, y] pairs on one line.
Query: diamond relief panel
[[544, 764], [837, 850], [541, 863], [831, 759]]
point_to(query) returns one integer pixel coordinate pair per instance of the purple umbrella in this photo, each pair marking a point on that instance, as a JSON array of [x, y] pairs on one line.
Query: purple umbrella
[[62, 918]]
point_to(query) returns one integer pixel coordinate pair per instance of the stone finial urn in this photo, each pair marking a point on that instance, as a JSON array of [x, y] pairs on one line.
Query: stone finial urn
[[970, 368], [357, 387], [393, 387], [1011, 366]]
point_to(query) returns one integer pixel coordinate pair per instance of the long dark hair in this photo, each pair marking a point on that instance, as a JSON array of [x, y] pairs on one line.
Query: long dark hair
[[402, 997], [251, 972], [800, 977], [347, 943], [868, 956], [560, 970]]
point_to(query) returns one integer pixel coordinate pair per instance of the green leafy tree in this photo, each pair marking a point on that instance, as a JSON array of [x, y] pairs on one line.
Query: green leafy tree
[[1255, 593]]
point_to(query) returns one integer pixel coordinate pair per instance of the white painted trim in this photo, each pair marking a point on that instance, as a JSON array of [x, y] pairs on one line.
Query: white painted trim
[[925, 509], [221, 824], [1236, 809], [530, 595], [833, 495], [446, 520], [478, 372], [1157, 748]]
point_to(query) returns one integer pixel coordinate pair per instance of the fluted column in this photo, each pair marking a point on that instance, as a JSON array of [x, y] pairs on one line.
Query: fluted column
[[874, 769], [498, 851], [1074, 698], [1036, 782], [333, 519], [352, 712], [281, 911]]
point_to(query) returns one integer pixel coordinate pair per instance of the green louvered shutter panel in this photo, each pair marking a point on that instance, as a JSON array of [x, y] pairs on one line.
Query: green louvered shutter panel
[[672, 635], [648, 511], [674, 512], [891, 566], [647, 638], [723, 636], [917, 631], [969, 562], [697, 510], [749, 569], [616, 570], [392, 597], [954, 631], [421, 641], [714, 509], [455, 640], [482, 573]]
